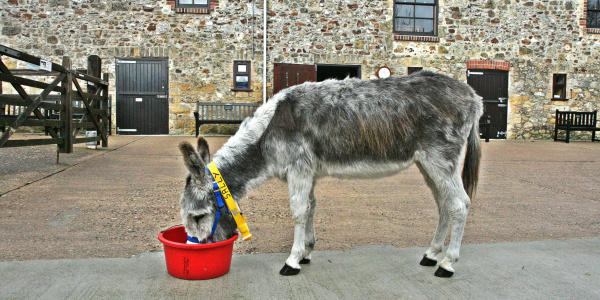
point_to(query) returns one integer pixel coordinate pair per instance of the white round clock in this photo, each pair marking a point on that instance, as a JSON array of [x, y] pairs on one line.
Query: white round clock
[[384, 72]]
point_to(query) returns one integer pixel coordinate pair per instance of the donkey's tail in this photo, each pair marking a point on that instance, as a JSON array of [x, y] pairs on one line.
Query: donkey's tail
[[470, 174]]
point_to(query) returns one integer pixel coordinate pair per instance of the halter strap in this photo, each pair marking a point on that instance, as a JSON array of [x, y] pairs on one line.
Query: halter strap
[[220, 205], [238, 217], [230, 206]]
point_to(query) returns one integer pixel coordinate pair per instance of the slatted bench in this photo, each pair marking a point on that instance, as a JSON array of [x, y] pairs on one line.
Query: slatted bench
[[222, 113], [576, 121], [9, 113]]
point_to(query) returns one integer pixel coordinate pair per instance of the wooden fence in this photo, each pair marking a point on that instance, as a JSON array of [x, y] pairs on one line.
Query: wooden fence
[[62, 108]]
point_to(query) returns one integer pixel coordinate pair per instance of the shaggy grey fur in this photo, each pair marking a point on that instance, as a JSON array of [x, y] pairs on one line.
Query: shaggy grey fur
[[351, 129]]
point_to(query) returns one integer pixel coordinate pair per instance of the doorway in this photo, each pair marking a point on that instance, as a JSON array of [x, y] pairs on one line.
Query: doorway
[[492, 85], [142, 96], [341, 72]]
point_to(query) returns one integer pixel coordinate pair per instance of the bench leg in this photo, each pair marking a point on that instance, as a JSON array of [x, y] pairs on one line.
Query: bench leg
[[568, 135], [555, 134], [594, 136]]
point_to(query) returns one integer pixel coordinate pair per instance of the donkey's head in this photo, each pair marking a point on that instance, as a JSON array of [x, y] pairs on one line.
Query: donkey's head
[[197, 202]]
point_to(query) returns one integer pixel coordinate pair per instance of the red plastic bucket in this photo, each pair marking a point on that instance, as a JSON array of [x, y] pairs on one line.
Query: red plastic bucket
[[195, 261]]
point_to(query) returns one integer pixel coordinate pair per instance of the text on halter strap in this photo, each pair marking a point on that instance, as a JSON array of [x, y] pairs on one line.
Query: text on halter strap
[[233, 207]]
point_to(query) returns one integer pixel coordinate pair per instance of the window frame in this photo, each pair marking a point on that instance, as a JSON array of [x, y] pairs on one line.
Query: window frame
[[236, 73], [204, 6], [556, 86], [435, 6], [411, 70], [591, 12]]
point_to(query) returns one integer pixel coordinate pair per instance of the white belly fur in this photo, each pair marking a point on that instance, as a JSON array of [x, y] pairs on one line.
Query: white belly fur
[[363, 170]]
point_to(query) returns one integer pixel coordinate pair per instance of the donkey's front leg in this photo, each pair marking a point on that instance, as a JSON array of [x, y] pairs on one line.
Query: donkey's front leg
[[300, 190]]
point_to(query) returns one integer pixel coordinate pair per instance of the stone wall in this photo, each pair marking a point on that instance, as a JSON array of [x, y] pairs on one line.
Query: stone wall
[[538, 38]]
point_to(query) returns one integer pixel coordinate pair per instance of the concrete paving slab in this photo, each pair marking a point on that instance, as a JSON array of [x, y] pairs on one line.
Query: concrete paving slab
[[556, 269]]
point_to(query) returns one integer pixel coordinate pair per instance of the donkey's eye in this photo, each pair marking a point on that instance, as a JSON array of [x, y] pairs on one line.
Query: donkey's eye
[[197, 218]]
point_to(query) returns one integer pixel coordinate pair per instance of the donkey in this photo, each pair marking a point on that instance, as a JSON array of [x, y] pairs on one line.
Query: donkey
[[349, 129]]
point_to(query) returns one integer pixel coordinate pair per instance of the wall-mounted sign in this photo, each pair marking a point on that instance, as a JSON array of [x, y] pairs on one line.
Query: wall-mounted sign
[[384, 72], [45, 65]]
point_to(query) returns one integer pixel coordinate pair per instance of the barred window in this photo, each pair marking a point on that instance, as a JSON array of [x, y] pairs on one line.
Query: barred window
[[559, 86], [193, 3], [593, 14], [416, 17]]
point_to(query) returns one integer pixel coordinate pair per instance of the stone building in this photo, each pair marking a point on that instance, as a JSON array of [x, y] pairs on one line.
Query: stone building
[[526, 57]]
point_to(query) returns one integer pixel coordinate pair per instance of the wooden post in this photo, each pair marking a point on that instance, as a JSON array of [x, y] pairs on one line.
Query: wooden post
[[94, 68], [2, 106], [66, 113], [104, 106]]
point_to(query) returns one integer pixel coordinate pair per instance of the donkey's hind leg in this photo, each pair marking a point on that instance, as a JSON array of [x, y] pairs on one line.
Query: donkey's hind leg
[[457, 203], [453, 205], [429, 257], [300, 190], [310, 228]]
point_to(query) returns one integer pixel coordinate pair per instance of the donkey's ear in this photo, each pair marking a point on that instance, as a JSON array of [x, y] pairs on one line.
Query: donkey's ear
[[203, 149], [193, 161]]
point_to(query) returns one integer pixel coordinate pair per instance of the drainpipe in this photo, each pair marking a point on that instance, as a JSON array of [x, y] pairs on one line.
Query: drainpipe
[[264, 51]]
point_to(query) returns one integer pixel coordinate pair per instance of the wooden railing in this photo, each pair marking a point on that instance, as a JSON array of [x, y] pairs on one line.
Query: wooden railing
[[53, 108]]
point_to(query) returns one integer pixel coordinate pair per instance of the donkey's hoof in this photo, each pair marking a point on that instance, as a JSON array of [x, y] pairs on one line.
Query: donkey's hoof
[[288, 271], [428, 262], [441, 272], [305, 261]]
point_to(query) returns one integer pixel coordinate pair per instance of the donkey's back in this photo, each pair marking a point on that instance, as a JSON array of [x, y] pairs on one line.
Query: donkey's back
[[367, 128]]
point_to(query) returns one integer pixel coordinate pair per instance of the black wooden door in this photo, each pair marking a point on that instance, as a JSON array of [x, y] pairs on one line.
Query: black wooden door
[[287, 75], [142, 96], [492, 85]]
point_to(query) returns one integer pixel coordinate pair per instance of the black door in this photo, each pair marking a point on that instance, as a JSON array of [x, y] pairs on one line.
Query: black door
[[492, 85], [142, 96]]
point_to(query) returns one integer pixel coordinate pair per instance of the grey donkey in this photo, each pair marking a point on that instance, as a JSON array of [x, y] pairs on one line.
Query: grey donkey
[[349, 129]]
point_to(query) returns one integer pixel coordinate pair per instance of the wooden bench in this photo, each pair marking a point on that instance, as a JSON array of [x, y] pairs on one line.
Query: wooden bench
[[222, 113], [576, 121], [8, 113]]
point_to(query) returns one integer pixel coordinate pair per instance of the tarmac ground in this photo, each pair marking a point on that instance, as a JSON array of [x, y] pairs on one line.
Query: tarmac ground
[[533, 231], [557, 269]]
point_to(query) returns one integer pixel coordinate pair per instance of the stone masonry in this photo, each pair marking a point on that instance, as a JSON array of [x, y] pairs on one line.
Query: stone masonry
[[532, 39]]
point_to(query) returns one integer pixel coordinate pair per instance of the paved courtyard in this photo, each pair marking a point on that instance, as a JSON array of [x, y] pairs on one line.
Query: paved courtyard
[[537, 207]]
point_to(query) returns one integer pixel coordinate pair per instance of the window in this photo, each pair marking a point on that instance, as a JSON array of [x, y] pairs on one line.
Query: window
[[193, 3], [241, 75], [416, 17], [593, 13], [559, 87], [411, 70]]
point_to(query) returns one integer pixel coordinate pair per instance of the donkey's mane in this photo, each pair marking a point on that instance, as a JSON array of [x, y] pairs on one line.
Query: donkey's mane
[[250, 130]]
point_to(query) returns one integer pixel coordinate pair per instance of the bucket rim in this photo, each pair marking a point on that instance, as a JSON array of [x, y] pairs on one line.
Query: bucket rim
[[173, 244]]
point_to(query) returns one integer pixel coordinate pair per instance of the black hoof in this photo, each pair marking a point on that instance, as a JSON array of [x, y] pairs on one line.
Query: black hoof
[[305, 261], [441, 272], [288, 271], [428, 262]]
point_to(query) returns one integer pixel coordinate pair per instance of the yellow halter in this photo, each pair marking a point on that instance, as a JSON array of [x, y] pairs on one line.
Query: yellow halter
[[233, 207]]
